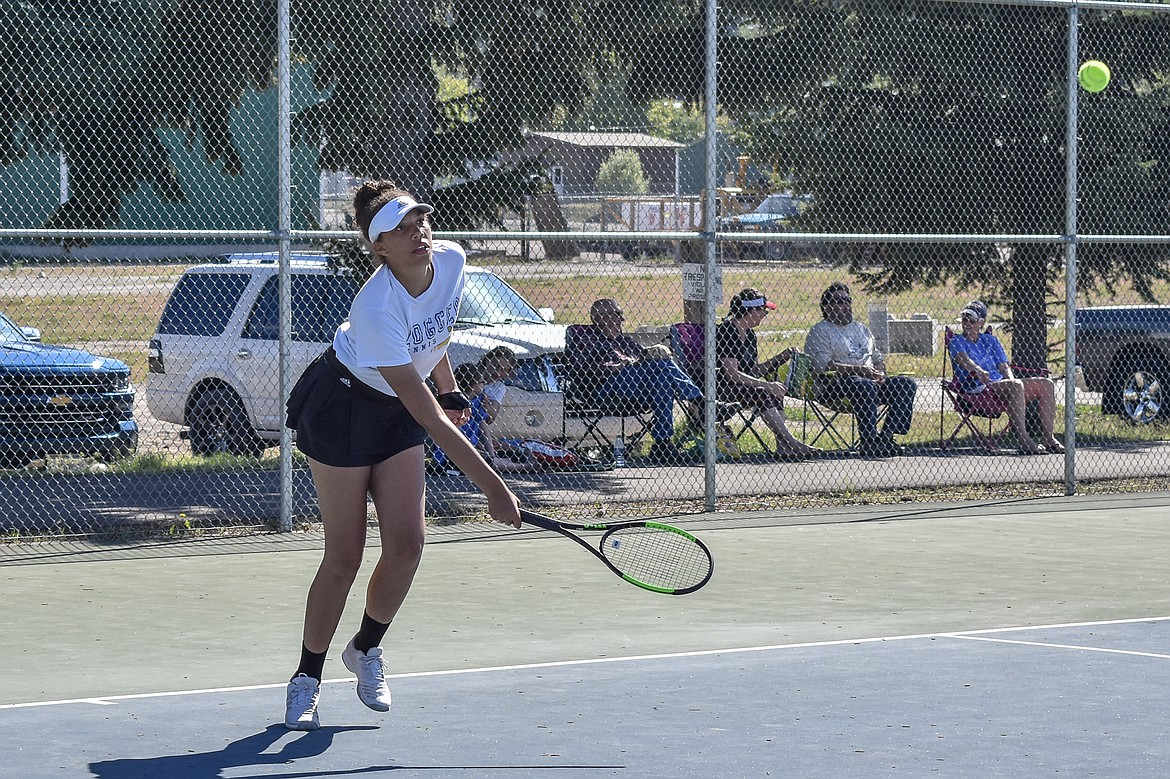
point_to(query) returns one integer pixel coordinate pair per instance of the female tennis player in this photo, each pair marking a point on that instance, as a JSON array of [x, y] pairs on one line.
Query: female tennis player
[[361, 412]]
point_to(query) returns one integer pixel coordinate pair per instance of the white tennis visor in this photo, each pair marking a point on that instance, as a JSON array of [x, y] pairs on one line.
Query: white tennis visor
[[758, 303], [390, 215]]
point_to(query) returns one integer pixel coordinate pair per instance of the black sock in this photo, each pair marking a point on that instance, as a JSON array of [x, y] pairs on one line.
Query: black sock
[[370, 634], [312, 663]]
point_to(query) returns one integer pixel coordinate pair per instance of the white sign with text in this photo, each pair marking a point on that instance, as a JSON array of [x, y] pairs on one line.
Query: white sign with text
[[694, 276]]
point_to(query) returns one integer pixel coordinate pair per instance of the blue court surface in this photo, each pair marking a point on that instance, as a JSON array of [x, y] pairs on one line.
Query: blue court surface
[[1042, 650]]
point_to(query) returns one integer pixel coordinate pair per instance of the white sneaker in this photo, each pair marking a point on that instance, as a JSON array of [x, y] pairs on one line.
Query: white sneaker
[[371, 676], [300, 703]]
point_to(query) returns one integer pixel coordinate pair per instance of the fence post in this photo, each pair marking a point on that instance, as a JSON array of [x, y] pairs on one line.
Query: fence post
[[283, 233], [1070, 263], [710, 144]]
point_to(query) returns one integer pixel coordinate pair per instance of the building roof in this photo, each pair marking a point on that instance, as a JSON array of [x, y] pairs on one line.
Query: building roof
[[610, 140]]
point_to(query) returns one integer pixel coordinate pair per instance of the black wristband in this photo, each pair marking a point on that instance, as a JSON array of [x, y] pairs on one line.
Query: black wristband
[[454, 401]]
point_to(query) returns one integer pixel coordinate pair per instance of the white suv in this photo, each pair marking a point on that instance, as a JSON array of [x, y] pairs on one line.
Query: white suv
[[214, 360]]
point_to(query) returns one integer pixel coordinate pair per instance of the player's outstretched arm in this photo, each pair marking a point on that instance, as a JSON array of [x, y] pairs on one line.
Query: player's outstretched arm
[[418, 400]]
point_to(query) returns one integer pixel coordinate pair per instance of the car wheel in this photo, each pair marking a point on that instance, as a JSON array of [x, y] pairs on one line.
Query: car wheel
[[219, 423], [1141, 394], [633, 251], [778, 251]]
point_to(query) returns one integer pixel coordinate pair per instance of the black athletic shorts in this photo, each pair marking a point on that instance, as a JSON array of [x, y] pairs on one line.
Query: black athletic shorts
[[342, 422]]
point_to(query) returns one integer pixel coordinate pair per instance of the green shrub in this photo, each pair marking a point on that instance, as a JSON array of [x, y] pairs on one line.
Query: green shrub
[[622, 174]]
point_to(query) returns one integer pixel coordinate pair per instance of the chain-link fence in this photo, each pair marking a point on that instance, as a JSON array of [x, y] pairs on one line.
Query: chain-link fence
[[175, 217]]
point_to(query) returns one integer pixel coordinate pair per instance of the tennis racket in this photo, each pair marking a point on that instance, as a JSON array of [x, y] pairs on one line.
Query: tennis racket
[[651, 555]]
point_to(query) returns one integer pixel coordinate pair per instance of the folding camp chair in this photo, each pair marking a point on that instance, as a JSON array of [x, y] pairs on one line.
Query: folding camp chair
[[634, 418], [689, 349], [982, 414], [830, 415], [797, 375]]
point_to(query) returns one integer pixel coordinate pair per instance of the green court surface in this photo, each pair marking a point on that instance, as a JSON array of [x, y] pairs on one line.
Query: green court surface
[[90, 628]]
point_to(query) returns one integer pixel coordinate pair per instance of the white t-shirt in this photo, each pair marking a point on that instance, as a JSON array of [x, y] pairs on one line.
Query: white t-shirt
[[495, 391], [388, 327], [850, 344]]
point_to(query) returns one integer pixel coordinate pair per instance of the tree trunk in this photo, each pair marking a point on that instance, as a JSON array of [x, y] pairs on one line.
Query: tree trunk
[[546, 212], [1028, 288]]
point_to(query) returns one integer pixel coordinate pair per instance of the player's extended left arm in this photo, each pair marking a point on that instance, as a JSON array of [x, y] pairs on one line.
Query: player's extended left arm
[[424, 407]]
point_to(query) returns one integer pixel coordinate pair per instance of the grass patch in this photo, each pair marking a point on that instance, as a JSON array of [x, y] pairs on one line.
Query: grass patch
[[116, 308], [1093, 427], [148, 463], [108, 309]]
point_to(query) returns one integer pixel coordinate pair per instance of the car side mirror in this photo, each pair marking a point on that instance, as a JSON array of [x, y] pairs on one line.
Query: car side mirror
[[547, 314], [31, 333]]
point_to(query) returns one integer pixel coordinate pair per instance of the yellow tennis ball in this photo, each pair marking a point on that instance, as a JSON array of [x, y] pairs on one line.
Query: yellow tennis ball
[[1093, 75]]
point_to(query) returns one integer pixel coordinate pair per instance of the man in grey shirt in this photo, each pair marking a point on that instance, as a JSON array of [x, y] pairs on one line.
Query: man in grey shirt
[[848, 365]]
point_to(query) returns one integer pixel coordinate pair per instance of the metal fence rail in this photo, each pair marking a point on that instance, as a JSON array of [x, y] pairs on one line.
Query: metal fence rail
[[666, 157]]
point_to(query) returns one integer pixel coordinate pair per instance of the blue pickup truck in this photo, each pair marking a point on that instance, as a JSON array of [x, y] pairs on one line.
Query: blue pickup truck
[[57, 400], [1123, 352]]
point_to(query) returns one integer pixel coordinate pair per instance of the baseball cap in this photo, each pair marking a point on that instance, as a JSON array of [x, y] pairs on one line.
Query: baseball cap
[[974, 310]]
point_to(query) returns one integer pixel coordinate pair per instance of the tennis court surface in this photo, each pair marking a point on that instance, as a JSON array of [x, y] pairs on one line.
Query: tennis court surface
[[1003, 638]]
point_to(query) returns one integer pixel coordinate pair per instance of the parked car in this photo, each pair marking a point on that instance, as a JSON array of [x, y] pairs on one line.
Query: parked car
[[770, 216], [56, 400], [214, 361], [1123, 352]]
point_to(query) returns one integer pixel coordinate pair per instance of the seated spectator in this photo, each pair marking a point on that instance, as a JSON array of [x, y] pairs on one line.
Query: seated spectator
[[504, 459], [497, 365], [847, 364], [609, 366], [740, 375], [981, 365]]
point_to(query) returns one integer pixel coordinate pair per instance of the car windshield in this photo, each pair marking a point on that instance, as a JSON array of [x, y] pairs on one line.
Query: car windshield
[[778, 204], [9, 331], [488, 300]]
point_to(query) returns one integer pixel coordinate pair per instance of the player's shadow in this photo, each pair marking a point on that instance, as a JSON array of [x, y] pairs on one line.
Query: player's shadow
[[247, 751]]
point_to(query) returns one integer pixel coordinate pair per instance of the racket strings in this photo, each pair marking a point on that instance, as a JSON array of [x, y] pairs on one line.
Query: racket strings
[[658, 557]]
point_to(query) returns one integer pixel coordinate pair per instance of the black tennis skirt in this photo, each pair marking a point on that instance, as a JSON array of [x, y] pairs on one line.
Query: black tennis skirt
[[342, 422]]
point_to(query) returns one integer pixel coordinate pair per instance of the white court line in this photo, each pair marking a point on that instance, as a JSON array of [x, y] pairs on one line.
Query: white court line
[[109, 699], [1047, 645], [986, 631], [106, 700]]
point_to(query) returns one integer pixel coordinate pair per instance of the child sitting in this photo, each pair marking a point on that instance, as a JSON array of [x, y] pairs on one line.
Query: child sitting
[[469, 378]]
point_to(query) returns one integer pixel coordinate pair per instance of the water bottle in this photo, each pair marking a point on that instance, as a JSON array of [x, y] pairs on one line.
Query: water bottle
[[619, 452]]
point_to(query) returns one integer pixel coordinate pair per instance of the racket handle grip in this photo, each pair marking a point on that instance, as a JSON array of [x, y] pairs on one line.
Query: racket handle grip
[[532, 518]]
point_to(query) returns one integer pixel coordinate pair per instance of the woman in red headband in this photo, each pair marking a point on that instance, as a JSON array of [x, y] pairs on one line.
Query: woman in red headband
[[741, 375]]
